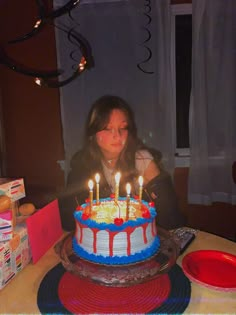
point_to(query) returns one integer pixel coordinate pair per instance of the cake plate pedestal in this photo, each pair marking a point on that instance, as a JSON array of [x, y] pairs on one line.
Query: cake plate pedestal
[[120, 275]]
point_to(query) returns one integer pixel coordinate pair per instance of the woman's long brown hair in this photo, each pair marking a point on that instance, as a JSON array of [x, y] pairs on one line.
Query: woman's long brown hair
[[98, 119]]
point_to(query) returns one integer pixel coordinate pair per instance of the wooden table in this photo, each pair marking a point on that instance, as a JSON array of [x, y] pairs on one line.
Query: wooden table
[[20, 295]]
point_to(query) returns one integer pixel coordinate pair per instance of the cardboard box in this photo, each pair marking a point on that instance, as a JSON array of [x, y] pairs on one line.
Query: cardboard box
[[15, 254], [13, 188], [6, 225]]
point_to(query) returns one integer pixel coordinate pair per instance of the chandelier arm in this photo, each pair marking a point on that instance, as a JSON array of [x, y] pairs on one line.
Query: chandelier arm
[[50, 78], [63, 10], [82, 42], [84, 47], [44, 17], [30, 72], [36, 29], [47, 82], [13, 65], [86, 61], [40, 22]]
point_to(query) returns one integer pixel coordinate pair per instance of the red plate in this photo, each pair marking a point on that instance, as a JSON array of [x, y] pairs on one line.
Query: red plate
[[211, 268]]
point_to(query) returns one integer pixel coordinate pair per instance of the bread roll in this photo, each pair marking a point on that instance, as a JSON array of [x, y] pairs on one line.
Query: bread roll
[[26, 209], [5, 203]]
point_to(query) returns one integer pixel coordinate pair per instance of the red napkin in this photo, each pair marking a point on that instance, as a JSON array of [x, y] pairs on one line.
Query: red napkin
[[44, 229]]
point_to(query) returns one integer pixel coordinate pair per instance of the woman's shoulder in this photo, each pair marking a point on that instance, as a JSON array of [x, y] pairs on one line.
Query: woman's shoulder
[[149, 153], [146, 157], [143, 154], [78, 168], [142, 160], [77, 158]]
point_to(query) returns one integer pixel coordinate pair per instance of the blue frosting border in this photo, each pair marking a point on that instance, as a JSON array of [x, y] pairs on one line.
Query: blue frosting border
[[116, 260], [111, 226]]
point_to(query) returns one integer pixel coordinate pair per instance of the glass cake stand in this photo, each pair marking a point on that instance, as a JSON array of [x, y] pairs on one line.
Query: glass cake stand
[[120, 275]]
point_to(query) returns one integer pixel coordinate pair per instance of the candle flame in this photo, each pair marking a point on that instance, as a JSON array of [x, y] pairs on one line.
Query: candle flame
[[97, 178], [128, 188], [90, 184], [117, 178], [140, 180]]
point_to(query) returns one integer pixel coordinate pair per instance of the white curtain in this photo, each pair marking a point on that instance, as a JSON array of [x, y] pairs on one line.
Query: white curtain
[[213, 103], [115, 31]]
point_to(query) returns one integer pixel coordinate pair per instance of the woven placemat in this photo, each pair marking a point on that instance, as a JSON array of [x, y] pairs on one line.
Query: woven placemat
[[64, 293]]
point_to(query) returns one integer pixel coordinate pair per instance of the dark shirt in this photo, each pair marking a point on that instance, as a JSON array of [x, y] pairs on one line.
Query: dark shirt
[[160, 190]]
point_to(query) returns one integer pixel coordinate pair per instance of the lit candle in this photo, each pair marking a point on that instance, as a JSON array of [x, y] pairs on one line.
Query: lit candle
[[117, 181], [97, 179], [90, 184], [128, 190], [140, 180]]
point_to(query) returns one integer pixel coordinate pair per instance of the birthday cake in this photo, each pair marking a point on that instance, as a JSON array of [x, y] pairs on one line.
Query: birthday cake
[[113, 233]]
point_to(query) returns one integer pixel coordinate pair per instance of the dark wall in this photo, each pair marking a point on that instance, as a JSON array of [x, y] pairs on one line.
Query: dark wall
[[220, 218], [31, 114]]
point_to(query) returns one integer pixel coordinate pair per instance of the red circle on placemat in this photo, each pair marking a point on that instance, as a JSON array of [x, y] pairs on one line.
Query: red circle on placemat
[[83, 296]]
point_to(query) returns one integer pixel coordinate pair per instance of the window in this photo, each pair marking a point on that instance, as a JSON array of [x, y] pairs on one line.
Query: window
[[181, 46]]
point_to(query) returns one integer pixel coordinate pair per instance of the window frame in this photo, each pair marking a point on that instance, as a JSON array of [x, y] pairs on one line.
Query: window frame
[[182, 158]]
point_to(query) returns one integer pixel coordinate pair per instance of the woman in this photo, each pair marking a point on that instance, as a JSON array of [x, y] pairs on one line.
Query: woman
[[111, 145]]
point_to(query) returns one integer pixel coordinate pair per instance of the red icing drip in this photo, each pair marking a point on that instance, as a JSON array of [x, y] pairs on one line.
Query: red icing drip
[[145, 232], [76, 232], [79, 208], [81, 234], [111, 240], [129, 231], [81, 226], [95, 231], [154, 228]]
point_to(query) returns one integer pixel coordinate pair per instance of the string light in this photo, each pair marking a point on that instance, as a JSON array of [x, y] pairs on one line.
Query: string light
[[38, 81], [38, 23]]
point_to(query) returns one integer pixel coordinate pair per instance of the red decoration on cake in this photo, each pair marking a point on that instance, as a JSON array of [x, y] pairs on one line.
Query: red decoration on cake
[[143, 208], [118, 221], [79, 208], [87, 200], [85, 216], [112, 196], [151, 204], [146, 214]]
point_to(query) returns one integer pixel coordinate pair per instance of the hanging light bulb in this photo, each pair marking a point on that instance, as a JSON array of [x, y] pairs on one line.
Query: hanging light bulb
[[38, 81]]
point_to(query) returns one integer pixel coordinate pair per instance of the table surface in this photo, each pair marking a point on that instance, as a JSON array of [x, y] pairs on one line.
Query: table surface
[[20, 295]]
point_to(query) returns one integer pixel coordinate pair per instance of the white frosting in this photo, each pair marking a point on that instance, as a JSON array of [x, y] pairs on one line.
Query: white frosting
[[120, 244], [108, 232]]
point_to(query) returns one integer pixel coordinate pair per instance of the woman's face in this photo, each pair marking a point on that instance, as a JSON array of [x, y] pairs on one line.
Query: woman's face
[[113, 138]]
